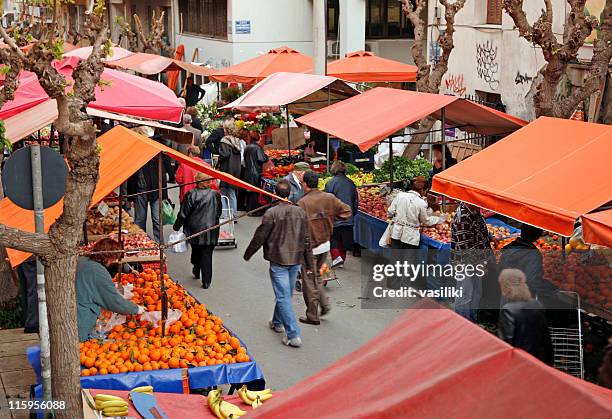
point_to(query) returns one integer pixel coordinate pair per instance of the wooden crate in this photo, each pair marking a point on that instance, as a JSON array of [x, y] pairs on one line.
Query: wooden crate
[[462, 150]]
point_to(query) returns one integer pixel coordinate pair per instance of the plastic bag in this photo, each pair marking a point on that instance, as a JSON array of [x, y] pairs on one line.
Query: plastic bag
[[385, 239], [107, 321], [168, 216], [181, 246], [126, 291], [155, 316]]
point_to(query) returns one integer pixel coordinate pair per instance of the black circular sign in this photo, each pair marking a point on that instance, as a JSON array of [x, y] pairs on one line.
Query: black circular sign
[[17, 177]]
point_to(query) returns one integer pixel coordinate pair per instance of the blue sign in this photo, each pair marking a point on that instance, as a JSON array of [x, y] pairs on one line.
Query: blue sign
[[243, 27]]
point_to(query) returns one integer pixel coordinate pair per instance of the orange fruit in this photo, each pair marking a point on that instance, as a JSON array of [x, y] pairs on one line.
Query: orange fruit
[[85, 373], [103, 371], [174, 362]]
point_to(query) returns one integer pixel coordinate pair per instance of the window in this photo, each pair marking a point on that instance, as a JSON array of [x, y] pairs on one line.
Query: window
[[494, 12], [204, 17], [333, 13], [385, 19]]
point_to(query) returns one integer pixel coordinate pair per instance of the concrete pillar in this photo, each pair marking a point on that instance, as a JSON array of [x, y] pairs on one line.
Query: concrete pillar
[[352, 26], [319, 37]]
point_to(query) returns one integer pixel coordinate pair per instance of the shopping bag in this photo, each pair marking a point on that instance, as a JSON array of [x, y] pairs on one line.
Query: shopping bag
[[181, 246], [168, 216], [385, 239]]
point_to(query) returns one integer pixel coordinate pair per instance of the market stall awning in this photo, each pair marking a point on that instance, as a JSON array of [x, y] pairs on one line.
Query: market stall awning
[[432, 363], [83, 53], [535, 174], [115, 169], [370, 117], [364, 66], [153, 64], [597, 228], [44, 114], [256, 69], [121, 93], [306, 92]]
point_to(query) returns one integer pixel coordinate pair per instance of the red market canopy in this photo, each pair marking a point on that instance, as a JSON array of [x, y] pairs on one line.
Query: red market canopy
[[115, 169], [432, 363], [364, 66], [84, 52], [531, 175], [306, 92], [597, 228], [126, 94], [149, 64], [254, 70], [370, 117]]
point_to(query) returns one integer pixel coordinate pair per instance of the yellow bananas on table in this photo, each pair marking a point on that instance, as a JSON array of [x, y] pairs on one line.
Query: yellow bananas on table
[[254, 398], [111, 405], [222, 409]]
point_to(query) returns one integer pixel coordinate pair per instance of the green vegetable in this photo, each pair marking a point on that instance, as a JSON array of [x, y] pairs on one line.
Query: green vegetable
[[403, 169]]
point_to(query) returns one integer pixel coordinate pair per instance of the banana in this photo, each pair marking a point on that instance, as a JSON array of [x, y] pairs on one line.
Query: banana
[[115, 412], [106, 397], [261, 392], [112, 403], [214, 402], [252, 395], [228, 409], [243, 396], [256, 403], [143, 389]]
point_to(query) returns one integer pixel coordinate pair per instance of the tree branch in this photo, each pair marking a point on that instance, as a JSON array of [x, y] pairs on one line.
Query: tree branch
[[25, 241]]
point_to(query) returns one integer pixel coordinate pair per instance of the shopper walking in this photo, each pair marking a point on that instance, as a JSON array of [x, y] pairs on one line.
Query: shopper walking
[[322, 211], [296, 180], [285, 238], [185, 174], [145, 183], [230, 162], [522, 320], [254, 159], [345, 190], [193, 93], [470, 245], [201, 210], [197, 134]]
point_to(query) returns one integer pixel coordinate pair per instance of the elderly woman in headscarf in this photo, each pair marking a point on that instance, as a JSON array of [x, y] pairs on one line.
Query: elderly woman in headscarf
[[230, 161]]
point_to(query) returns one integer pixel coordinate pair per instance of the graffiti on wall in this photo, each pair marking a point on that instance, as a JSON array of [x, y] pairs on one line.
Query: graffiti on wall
[[522, 78], [487, 66], [454, 84]]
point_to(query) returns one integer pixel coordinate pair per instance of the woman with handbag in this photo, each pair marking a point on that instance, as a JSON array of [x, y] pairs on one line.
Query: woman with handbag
[[254, 159], [200, 210]]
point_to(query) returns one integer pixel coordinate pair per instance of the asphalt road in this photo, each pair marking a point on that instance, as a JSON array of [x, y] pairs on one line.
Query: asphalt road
[[241, 294]]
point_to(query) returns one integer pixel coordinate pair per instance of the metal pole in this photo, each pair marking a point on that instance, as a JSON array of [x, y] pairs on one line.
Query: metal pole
[[443, 135], [164, 297], [391, 162], [328, 103], [288, 130], [120, 234], [43, 322]]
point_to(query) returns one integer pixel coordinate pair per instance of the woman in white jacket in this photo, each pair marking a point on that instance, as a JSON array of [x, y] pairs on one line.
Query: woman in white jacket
[[409, 211]]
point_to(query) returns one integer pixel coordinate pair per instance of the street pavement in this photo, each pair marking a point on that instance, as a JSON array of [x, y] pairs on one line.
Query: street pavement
[[241, 294]]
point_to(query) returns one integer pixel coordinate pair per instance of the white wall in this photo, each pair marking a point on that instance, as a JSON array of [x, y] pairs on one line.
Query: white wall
[[352, 26]]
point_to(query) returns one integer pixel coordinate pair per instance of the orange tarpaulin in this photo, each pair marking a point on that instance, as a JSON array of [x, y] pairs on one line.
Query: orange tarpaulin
[[535, 174], [597, 228], [432, 363], [366, 119], [173, 76], [364, 66], [115, 169], [252, 71], [149, 64]]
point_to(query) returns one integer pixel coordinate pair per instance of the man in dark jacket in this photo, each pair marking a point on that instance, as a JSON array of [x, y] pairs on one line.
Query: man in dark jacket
[[213, 140], [296, 180], [322, 211], [147, 180], [254, 158], [523, 254], [345, 190], [522, 320], [230, 162], [285, 238], [200, 210], [193, 93]]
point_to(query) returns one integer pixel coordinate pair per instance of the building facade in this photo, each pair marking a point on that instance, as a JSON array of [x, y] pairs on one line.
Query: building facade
[[490, 60]]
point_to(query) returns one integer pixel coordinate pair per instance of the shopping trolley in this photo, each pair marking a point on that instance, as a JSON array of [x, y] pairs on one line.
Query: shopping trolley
[[227, 233], [567, 343]]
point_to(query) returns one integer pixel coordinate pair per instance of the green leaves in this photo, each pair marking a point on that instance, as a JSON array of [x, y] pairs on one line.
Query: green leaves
[[403, 169], [4, 142]]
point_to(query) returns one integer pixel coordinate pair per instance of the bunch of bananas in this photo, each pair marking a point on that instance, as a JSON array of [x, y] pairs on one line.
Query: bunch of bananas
[[254, 398], [142, 389], [222, 409], [111, 405]]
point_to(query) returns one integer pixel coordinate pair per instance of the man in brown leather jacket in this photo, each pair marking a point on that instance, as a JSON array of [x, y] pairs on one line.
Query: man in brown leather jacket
[[322, 211], [285, 238]]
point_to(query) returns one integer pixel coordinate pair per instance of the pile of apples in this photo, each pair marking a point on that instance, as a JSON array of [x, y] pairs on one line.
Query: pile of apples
[[371, 202], [440, 232]]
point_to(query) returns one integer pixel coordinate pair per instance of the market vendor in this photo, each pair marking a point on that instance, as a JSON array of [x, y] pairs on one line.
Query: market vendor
[[296, 180], [95, 289]]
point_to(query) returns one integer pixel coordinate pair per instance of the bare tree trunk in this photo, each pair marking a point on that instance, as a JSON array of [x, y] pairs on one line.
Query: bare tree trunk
[[63, 334], [416, 143], [8, 283]]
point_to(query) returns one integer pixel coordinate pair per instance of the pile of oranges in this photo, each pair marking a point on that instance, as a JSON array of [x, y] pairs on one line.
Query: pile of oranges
[[197, 339]]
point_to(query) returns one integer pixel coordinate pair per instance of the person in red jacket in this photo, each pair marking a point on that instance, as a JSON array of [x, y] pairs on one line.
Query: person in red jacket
[[185, 175]]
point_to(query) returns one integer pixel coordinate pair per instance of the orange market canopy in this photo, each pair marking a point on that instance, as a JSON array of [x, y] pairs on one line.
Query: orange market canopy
[[364, 66], [306, 92], [432, 363], [254, 70], [149, 64], [535, 174], [370, 117], [597, 228], [115, 169]]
